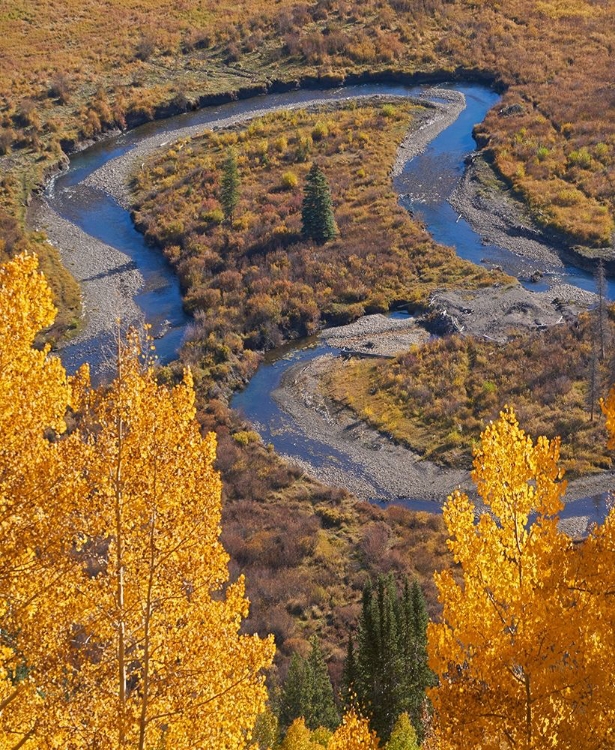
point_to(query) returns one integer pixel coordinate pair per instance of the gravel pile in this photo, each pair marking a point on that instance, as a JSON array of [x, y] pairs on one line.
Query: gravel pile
[[376, 336], [494, 313]]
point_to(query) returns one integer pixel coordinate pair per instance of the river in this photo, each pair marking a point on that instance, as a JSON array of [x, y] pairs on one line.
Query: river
[[424, 185]]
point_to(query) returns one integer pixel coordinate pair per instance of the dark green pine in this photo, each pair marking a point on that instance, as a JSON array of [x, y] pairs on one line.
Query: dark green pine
[[295, 695], [349, 677], [390, 661], [317, 220], [322, 711], [229, 186]]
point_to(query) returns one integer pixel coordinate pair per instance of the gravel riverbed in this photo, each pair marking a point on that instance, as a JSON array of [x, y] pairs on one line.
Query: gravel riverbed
[[375, 466]]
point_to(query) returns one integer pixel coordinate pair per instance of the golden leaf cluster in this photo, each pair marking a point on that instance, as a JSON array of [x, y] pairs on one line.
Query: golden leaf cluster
[[353, 733], [527, 634], [119, 626]]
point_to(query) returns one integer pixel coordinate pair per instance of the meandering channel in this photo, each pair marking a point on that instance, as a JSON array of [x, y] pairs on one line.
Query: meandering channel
[[82, 212]]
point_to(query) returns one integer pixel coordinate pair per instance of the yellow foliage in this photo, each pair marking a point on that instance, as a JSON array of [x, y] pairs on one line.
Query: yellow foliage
[[353, 734], [34, 394], [507, 651], [299, 737], [119, 626]]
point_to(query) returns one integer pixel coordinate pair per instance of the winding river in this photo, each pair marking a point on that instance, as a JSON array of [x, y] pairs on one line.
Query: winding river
[[424, 185]]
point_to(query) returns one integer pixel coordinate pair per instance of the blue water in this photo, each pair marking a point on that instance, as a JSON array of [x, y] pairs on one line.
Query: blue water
[[427, 181]]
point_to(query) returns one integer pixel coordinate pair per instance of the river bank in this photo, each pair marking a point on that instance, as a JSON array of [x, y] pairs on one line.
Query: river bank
[[388, 471], [494, 212], [114, 176], [109, 281], [109, 278]]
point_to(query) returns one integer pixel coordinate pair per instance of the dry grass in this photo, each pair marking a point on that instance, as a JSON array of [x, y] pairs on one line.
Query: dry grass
[[438, 398], [258, 282]]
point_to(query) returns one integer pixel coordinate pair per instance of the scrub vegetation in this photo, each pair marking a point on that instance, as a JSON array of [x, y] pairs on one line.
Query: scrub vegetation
[[437, 398], [256, 281]]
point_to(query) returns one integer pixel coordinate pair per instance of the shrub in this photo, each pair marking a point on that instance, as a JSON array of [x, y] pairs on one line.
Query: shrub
[[145, 47], [320, 131], [289, 180], [6, 139], [215, 216]]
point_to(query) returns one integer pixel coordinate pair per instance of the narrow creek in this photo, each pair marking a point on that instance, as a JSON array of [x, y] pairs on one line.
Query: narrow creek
[[424, 186]]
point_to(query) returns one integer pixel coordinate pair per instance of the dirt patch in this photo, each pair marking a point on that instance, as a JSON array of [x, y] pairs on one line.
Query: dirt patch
[[497, 313]]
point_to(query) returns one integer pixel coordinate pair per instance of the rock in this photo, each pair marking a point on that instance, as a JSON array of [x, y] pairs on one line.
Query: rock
[[536, 276], [511, 110]]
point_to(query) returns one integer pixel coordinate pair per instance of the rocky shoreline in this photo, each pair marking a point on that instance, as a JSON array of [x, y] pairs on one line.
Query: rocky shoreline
[[387, 471], [109, 282]]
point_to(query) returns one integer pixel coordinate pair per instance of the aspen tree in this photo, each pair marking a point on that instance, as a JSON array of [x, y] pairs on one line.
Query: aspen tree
[[34, 395], [158, 659], [508, 652], [118, 626], [353, 734]]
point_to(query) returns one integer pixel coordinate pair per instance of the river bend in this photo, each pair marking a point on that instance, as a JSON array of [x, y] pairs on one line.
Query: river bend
[[121, 276]]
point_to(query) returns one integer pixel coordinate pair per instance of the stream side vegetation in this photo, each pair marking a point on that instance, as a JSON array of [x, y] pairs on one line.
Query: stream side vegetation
[[257, 281], [436, 398]]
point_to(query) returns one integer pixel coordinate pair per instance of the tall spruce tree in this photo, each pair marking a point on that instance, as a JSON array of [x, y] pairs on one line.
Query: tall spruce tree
[[349, 676], [295, 697], [390, 663], [308, 693], [323, 711], [229, 186], [318, 222]]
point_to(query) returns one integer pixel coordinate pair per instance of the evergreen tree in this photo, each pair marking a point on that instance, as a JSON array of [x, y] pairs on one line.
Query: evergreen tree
[[229, 186], [416, 676], [308, 692], [349, 676], [317, 219], [323, 711], [296, 696], [390, 664]]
